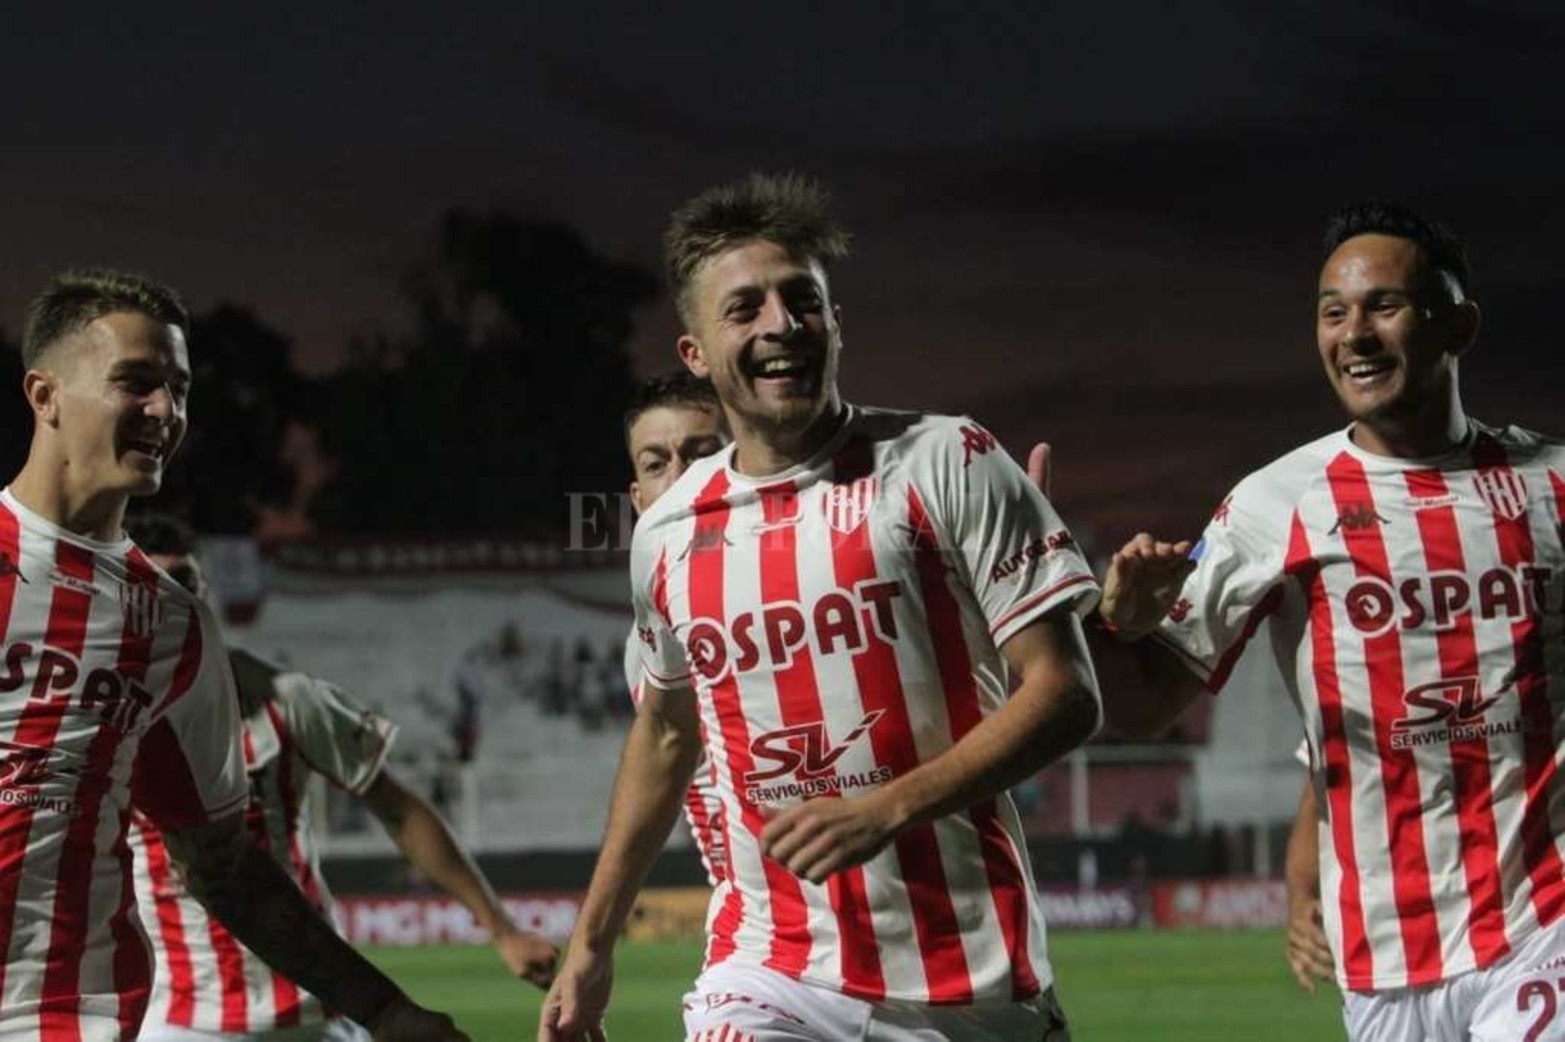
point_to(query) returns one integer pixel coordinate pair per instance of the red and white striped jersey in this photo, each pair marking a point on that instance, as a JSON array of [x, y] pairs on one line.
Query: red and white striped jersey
[[207, 980], [1415, 607], [703, 802], [840, 623], [113, 688]]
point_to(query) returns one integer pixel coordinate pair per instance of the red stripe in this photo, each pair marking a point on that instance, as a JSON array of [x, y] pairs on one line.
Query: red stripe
[[706, 599], [15, 822], [703, 828], [1262, 610], [1398, 768], [132, 966], [1007, 886], [1542, 857], [790, 948], [286, 1006], [1358, 957], [288, 794], [1458, 653], [67, 631], [799, 702], [166, 790], [231, 977], [880, 689], [171, 929]]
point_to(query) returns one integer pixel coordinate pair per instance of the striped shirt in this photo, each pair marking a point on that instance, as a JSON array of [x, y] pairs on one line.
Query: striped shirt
[[703, 802], [206, 980], [840, 624], [1415, 607], [113, 688]]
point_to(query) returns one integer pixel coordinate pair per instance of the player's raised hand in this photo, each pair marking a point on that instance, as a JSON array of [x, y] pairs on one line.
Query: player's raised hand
[[574, 1008], [1308, 953], [826, 835], [1039, 461], [406, 1021], [1143, 582], [528, 956]]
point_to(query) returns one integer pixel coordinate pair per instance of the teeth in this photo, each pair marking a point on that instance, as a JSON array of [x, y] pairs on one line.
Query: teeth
[[1365, 368], [777, 365]]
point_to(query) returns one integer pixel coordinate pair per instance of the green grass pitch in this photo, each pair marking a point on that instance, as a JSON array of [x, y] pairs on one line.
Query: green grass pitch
[[1127, 986]]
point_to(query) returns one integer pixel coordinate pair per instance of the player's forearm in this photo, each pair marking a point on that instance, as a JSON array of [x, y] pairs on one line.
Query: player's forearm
[[1302, 860], [1145, 686], [263, 908], [427, 841], [1046, 718], [655, 770]]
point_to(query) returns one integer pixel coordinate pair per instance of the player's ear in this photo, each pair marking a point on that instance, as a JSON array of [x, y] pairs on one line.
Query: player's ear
[[690, 353], [836, 316], [42, 389], [635, 497], [1467, 318]]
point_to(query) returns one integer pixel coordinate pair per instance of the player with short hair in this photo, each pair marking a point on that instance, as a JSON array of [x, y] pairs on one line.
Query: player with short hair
[[1411, 572], [116, 692], [209, 986], [834, 605], [673, 420]]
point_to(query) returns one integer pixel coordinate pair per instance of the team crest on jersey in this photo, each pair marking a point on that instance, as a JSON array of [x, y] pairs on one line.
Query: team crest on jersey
[[846, 506], [143, 611], [1504, 490]]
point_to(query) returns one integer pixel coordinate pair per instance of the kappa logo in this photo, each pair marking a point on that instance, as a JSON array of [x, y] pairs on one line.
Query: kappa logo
[[846, 506], [1180, 611], [1220, 515], [975, 442], [1504, 490], [1357, 517]]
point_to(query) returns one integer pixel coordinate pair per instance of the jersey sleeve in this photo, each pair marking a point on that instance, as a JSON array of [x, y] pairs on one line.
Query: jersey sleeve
[[662, 657], [1234, 587], [339, 738], [1007, 543], [189, 767]]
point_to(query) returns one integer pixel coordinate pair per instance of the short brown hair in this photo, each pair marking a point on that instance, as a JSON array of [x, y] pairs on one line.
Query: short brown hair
[[790, 210], [74, 299], [676, 389]]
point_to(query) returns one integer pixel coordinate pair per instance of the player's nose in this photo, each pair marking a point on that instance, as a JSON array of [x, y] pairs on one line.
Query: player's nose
[[778, 319]]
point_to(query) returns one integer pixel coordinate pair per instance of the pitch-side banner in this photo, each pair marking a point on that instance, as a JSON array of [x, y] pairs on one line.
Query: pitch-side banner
[[1220, 904]]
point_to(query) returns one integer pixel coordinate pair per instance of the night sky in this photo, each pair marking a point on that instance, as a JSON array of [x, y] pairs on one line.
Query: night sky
[[1095, 226]]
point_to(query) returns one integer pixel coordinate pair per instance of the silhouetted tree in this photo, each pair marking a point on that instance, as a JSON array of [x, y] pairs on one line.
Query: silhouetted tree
[[506, 396], [243, 391], [16, 419]]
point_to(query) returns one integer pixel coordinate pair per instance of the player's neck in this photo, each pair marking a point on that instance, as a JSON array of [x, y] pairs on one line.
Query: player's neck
[[46, 488], [763, 451], [1427, 435]]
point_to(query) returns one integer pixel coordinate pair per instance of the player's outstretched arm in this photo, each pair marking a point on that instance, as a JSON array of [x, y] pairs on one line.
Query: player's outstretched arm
[[427, 842], [249, 893], [1145, 685], [1054, 709], [655, 769], [1309, 954]]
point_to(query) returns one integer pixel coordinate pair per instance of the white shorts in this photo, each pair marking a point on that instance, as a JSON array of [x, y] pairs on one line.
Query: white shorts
[[736, 1003], [337, 1029], [1519, 999]]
